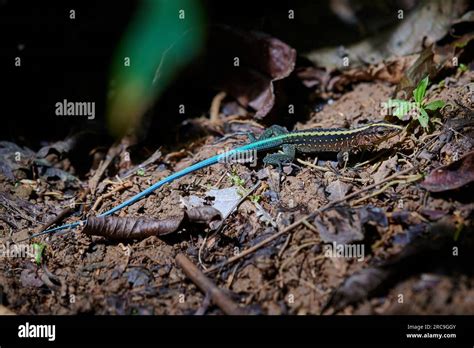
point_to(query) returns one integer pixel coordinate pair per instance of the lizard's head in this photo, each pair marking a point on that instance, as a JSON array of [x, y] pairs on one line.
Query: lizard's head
[[375, 133]]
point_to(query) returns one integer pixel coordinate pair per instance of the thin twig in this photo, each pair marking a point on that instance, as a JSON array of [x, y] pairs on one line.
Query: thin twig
[[231, 211], [65, 212], [113, 152], [371, 186], [326, 169], [258, 245], [314, 166], [150, 160], [302, 220], [385, 187], [215, 106], [121, 187], [219, 297]]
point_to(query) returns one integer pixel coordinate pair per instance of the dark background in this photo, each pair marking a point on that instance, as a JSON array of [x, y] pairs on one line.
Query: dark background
[[69, 59]]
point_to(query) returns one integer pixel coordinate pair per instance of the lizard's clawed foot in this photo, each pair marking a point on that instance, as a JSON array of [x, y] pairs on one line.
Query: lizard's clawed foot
[[342, 159]]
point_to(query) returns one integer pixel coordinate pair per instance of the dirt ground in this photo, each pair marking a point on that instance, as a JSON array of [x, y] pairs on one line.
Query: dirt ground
[[289, 275]]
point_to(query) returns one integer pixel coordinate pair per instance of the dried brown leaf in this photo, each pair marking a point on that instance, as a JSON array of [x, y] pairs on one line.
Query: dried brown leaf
[[30, 278], [337, 190], [204, 214], [340, 225], [428, 23], [452, 176], [421, 254], [113, 227], [262, 59], [385, 169]]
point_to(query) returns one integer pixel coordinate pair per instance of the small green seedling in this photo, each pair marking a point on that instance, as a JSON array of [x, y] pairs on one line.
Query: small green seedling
[[419, 107], [255, 198], [140, 172], [38, 249], [462, 68], [237, 180]]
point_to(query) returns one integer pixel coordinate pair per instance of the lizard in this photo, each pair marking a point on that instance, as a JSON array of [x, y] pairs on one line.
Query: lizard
[[338, 140]]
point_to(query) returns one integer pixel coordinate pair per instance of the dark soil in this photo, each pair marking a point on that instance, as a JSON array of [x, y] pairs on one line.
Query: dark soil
[[291, 274]]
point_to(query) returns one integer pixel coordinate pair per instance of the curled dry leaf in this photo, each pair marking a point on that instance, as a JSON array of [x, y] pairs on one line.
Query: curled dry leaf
[[344, 225], [14, 157], [451, 176], [391, 55], [30, 278], [423, 26], [262, 52], [422, 254], [386, 168], [337, 190], [203, 214], [113, 227], [64, 146], [357, 287], [431, 62], [392, 70], [328, 82], [340, 225], [262, 59]]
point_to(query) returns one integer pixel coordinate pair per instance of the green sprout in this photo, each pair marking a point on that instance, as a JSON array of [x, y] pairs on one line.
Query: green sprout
[[463, 68], [140, 172], [38, 248], [237, 180], [255, 198], [419, 107]]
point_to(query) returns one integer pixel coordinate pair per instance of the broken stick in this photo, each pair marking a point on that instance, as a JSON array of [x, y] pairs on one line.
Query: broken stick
[[219, 297]]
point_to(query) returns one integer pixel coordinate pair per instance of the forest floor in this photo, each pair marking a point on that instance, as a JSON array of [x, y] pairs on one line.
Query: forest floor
[[413, 247]]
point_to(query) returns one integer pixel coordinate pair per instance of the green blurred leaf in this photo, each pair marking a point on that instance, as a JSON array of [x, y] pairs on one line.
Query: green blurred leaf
[[162, 38], [434, 105], [423, 118], [419, 92]]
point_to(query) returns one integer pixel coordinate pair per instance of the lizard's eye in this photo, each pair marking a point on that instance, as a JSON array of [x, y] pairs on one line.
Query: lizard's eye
[[380, 132]]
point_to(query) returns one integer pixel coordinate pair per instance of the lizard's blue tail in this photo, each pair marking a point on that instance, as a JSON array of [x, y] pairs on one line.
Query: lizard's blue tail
[[259, 145], [137, 197]]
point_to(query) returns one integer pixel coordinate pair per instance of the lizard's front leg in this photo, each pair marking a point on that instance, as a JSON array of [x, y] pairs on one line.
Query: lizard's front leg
[[277, 159], [342, 159]]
